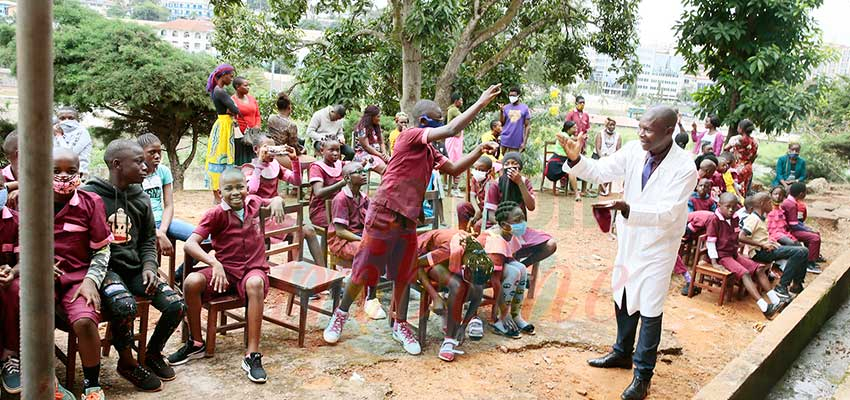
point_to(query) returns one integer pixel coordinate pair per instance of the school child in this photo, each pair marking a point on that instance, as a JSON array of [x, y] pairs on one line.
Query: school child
[[777, 225], [554, 169], [701, 198], [729, 176], [133, 267], [81, 253], [9, 328], [697, 221], [722, 243], [469, 214], [348, 213], [512, 186], [706, 169], [798, 229], [457, 261], [502, 242], [264, 175], [492, 136], [761, 248], [238, 266], [370, 140], [607, 143], [10, 172], [326, 180], [392, 214]]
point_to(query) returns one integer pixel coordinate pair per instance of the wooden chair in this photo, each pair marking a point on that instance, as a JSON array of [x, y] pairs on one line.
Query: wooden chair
[[172, 264], [69, 357], [707, 277], [218, 310], [437, 218], [297, 277], [332, 260], [546, 155]]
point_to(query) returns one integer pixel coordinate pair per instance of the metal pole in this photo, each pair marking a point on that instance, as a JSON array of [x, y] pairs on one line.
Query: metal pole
[[35, 105]]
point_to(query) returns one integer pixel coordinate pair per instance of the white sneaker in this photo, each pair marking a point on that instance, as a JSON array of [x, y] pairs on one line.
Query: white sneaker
[[475, 329], [334, 328], [374, 310], [404, 334]]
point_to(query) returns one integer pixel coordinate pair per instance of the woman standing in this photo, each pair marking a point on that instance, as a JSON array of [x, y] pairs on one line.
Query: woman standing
[[220, 144], [710, 136], [249, 121], [370, 141], [745, 147]]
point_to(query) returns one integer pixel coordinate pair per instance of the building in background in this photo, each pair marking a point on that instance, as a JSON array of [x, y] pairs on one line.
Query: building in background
[[194, 36], [7, 8], [190, 9], [840, 66]]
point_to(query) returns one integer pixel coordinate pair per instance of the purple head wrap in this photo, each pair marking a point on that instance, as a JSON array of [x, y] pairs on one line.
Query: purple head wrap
[[217, 73]]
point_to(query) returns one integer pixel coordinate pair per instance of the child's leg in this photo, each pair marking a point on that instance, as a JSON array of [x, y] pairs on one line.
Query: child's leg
[[89, 346], [786, 241], [401, 292], [169, 303], [574, 184], [193, 290], [313, 245], [119, 306], [475, 295], [733, 266], [255, 292], [510, 280], [180, 230], [533, 255], [812, 242]]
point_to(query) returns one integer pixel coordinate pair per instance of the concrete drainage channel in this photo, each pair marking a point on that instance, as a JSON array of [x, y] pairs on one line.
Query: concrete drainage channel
[[771, 360]]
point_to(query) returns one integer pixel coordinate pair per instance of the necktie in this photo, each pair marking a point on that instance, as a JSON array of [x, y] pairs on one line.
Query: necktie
[[647, 170]]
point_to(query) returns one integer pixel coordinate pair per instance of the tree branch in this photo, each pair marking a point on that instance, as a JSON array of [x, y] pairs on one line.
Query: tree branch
[[509, 47], [294, 84], [500, 25], [372, 32]]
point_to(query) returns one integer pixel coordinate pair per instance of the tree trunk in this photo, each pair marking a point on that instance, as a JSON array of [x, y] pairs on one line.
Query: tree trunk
[[174, 163], [411, 56], [446, 81], [733, 128]]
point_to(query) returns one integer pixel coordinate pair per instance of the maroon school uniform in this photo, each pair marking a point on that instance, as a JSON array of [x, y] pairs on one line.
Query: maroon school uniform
[[9, 302], [699, 203], [265, 177], [348, 210], [328, 175], [389, 239], [724, 234], [697, 222], [440, 245], [238, 244], [532, 237], [718, 185], [799, 230]]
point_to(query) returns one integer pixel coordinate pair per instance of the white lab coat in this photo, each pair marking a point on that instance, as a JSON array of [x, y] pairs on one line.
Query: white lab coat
[[648, 241]]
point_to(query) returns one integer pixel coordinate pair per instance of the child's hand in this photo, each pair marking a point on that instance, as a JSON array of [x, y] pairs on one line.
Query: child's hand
[[165, 247], [150, 280], [771, 245], [385, 158], [573, 146], [491, 93], [263, 153], [276, 208], [489, 147], [56, 271], [290, 151], [694, 125], [88, 291], [219, 279], [6, 276]]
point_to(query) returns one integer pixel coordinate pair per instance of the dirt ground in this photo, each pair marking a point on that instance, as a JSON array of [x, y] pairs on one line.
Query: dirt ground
[[572, 311]]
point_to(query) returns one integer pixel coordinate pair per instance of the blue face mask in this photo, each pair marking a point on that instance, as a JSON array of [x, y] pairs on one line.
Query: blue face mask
[[519, 229], [431, 123], [4, 195], [793, 156]]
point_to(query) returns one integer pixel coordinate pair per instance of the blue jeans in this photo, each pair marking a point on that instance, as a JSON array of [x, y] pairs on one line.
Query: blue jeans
[[795, 268], [178, 230], [647, 347]]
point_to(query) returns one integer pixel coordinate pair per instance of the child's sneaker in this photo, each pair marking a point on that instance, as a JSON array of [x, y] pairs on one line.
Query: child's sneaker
[[374, 310], [189, 351], [404, 335], [253, 365], [447, 350], [813, 268], [12, 375], [141, 378], [782, 292], [157, 364], [93, 393], [335, 325], [475, 329], [60, 393]]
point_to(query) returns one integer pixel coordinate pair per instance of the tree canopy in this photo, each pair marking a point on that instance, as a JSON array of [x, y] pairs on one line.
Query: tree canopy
[[428, 48], [150, 11], [148, 85], [758, 53]]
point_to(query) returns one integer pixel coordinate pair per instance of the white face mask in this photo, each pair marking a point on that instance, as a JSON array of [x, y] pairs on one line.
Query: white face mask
[[513, 99], [479, 176]]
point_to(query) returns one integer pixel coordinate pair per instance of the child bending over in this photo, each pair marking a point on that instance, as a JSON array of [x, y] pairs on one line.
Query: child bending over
[[239, 266]]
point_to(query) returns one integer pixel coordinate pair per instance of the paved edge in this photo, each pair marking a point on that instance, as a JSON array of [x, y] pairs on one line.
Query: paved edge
[[766, 359]]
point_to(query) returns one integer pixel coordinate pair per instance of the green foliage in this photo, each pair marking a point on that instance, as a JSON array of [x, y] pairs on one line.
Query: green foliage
[[245, 37], [150, 11], [758, 53]]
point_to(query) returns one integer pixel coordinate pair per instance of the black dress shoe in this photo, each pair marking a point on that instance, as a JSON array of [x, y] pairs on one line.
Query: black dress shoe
[[637, 390], [611, 360]]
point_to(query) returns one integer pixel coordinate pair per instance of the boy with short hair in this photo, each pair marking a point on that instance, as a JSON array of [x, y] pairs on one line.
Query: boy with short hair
[[10, 172], [722, 243], [392, 215], [492, 136], [133, 266], [761, 249], [701, 198], [469, 214], [239, 266], [799, 229]]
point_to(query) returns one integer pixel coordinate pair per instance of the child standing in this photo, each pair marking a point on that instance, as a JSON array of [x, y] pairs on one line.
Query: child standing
[[701, 199], [9, 269], [469, 216], [722, 243], [799, 229], [10, 172], [239, 266], [133, 267], [391, 217], [502, 242]]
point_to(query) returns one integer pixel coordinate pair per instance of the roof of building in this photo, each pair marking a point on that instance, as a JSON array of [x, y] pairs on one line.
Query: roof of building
[[191, 25]]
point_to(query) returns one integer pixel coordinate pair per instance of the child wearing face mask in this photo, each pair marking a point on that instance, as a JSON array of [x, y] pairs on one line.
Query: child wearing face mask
[[469, 214], [502, 242]]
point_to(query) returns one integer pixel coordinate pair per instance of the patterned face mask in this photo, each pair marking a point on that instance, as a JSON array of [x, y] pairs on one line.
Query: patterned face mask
[[66, 185]]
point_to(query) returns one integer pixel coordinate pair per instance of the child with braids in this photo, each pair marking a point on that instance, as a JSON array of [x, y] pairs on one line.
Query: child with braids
[[502, 242]]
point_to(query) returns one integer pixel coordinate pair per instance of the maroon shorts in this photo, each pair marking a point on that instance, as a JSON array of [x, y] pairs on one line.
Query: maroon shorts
[[342, 248], [77, 309], [739, 265], [388, 247], [234, 284], [10, 303]]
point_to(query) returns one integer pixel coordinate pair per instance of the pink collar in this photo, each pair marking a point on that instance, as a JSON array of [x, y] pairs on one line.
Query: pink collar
[[269, 170], [719, 215], [75, 200], [334, 171], [7, 213]]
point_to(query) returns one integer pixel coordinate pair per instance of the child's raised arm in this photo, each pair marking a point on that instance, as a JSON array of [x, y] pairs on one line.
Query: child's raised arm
[[465, 118]]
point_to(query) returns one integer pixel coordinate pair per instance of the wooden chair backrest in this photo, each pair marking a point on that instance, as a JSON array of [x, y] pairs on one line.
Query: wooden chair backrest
[[433, 196], [296, 230], [546, 151]]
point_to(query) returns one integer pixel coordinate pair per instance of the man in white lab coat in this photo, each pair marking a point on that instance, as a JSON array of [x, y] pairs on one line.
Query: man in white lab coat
[[659, 177]]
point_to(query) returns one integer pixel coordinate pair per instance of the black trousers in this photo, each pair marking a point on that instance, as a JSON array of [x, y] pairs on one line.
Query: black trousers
[[647, 347]]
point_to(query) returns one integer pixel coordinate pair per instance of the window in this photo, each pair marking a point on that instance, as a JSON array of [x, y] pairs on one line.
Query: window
[[186, 45], [174, 33], [187, 35], [197, 35], [197, 45]]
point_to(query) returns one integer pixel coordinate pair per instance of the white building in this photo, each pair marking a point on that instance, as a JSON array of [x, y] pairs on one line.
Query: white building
[[98, 5], [839, 66], [194, 36], [195, 9]]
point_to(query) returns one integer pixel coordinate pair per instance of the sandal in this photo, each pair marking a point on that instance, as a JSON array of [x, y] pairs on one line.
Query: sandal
[[529, 329], [511, 333], [475, 330], [447, 350]]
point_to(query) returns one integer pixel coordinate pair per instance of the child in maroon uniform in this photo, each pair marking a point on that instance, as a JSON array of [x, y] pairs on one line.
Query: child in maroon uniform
[[326, 180], [469, 215], [697, 221], [799, 229], [9, 331], [701, 199], [10, 173], [777, 225], [239, 266], [389, 237], [722, 242]]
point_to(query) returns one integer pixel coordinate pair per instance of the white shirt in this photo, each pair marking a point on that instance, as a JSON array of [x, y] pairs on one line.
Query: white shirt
[[321, 127]]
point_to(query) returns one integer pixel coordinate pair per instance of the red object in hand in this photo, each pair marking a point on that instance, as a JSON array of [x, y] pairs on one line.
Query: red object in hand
[[602, 213]]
